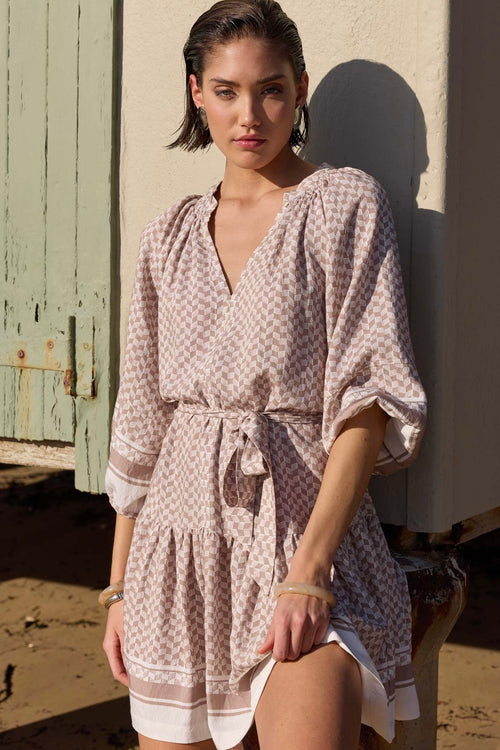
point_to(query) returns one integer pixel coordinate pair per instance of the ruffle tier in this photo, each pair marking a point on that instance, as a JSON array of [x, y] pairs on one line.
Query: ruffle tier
[[195, 617]]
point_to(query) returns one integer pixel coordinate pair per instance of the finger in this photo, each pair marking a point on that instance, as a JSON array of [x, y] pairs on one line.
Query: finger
[[119, 672], [308, 640], [115, 659], [268, 643], [320, 633], [281, 643], [299, 627]]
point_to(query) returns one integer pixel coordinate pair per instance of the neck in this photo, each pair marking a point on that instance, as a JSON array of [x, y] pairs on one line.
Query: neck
[[285, 171]]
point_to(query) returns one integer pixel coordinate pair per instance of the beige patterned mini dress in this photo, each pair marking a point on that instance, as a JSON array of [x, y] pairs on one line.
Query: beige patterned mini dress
[[227, 408]]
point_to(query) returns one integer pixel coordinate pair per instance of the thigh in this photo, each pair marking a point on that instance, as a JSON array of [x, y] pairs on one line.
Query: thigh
[[146, 743], [313, 703]]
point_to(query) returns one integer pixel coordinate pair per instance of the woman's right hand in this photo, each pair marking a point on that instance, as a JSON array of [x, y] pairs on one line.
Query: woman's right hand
[[113, 642]]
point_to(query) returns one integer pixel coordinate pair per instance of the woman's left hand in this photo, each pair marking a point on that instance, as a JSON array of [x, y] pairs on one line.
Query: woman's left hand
[[299, 621]]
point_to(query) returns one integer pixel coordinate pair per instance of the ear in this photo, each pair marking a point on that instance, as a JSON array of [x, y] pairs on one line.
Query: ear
[[302, 89], [195, 90]]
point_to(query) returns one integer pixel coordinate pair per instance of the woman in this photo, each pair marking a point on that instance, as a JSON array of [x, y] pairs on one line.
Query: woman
[[268, 371]]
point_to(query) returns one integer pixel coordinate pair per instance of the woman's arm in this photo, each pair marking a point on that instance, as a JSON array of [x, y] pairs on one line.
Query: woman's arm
[[124, 528], [299, 621], [113, 637]]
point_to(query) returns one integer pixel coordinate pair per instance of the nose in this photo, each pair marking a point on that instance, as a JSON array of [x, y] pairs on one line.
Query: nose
[[249, 115]]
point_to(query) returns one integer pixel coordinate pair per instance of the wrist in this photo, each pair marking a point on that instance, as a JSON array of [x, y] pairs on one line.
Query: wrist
[[116, 579], [113, 593], [308, 568], [305, 589]]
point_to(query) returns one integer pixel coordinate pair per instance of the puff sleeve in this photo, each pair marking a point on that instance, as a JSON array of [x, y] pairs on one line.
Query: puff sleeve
[[370, 356], [140, 418]]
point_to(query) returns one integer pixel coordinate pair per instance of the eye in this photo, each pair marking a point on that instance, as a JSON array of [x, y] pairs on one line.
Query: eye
[[272, 91], [224, 93]]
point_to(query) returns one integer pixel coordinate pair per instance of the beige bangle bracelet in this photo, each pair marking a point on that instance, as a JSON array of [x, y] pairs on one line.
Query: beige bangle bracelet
[[114, 588], [114, 598], [306, 589]]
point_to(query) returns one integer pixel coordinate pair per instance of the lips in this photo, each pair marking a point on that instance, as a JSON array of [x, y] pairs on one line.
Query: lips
[[250, 142]]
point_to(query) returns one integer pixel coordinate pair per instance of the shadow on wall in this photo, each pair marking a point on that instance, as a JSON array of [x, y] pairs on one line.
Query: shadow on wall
[[365, 115]]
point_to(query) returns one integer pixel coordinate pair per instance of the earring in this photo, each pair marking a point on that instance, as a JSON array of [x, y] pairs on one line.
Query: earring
[[203, 117], [297, 121]]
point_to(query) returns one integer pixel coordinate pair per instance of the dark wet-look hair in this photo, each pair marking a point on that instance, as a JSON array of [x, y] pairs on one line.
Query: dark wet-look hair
[[224, 22]]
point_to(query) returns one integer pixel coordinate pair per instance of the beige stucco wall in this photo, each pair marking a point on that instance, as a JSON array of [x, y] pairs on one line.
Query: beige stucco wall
[[379, 97], [407, 36]]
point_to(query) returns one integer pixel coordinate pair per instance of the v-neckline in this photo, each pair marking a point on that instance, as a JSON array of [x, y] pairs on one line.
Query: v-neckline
[[219, 268]]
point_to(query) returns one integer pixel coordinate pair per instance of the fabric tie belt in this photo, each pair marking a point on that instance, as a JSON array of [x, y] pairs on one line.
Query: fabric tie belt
[[245, 455]]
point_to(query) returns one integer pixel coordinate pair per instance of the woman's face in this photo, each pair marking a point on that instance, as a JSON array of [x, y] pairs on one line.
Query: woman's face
[[250, 93]]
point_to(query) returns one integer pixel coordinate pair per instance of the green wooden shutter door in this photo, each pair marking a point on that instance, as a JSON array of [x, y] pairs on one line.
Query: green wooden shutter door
[[57, 190]]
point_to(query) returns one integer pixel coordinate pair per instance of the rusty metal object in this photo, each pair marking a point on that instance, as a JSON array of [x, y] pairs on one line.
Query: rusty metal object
[[85, 384], [69, 382], [438, 581], [69, 350]]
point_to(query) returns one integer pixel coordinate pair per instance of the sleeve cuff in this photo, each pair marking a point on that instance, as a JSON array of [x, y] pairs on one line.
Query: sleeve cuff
[[403, 432]]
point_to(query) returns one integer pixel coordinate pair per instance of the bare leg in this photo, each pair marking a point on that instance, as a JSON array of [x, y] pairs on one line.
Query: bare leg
[[145, 743], [313, 703]]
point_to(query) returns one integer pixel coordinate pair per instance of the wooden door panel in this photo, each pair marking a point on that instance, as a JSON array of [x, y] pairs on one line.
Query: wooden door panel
[[25, 206], [57, 228]]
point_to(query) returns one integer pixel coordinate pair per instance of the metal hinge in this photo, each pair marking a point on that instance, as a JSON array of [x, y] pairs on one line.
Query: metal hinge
[[70, 351]]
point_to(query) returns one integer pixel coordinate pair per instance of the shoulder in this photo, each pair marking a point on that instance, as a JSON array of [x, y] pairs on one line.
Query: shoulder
[[355, 207], [157, 230], [356, 217], [162, 232], [351, 188], [171, 226]]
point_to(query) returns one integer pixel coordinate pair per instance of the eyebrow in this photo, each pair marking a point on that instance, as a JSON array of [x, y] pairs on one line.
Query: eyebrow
[[267, 79]]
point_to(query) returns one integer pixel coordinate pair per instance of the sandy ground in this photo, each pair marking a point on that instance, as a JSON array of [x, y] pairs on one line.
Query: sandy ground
[[57, 692]]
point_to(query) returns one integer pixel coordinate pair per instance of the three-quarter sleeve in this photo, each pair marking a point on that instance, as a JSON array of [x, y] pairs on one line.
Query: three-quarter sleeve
[[370, 355], [141, 418]]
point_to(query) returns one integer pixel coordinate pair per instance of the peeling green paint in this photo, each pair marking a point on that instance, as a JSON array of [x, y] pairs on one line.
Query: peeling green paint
[[57, 225]]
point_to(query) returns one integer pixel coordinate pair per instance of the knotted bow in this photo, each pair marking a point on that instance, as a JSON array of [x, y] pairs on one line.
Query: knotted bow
[[245, 457]]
